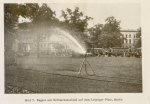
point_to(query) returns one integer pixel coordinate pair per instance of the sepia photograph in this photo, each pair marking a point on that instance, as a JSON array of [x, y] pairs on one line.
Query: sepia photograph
[[72, 48]]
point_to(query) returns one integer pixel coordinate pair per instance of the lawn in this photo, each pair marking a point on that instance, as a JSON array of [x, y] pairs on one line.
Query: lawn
[[60, 75]]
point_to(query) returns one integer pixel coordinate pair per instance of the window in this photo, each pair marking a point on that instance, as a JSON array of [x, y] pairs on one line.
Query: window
[[125, 41], [129, 35], [126, 35], [130, 41]]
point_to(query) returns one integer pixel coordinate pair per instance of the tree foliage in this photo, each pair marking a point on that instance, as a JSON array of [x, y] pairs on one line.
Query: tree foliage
[[111, 36], [37, 14], [75, 19], [95, 33], [11, 14], [29, 10]]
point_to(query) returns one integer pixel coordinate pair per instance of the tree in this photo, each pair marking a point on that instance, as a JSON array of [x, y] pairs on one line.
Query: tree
[[95, 33], [11, 14], [75, 19], [29, 10], [111, 36], [44, 15], [38, 15]]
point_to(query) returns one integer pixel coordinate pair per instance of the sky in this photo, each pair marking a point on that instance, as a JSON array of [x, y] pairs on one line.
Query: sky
[[127, 13]]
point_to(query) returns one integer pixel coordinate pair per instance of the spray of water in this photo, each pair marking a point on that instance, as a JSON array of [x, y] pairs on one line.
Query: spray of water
[[68, 40]]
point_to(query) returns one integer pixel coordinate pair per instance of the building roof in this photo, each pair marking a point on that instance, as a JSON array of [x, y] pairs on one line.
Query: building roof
[[129, 31]]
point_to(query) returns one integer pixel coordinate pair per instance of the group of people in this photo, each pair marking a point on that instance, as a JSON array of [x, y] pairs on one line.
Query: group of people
[[116, 53]]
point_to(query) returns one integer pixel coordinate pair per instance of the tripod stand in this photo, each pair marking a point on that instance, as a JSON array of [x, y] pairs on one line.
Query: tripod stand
[[84, 65]]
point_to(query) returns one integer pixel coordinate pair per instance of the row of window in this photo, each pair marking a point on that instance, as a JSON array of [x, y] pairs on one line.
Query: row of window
[[129, 35], [128, 41]]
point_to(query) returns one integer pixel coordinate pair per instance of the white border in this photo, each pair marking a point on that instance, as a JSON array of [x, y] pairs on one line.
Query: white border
[[129, 98]]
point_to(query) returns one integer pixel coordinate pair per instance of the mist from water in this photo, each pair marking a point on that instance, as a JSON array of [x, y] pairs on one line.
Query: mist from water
[[67, 40]]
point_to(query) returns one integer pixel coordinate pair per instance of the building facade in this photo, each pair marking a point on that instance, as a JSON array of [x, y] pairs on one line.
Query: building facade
[[130, 38]]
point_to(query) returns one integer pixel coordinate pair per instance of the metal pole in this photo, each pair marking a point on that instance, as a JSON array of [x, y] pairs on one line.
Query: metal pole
[[85, 64], [81, 66]]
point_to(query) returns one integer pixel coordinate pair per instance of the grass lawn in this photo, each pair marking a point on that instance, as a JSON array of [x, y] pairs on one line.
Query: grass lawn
[[60, 75]]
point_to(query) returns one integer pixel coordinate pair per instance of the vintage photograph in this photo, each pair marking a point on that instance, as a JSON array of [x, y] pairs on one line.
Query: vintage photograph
[[72, 48]]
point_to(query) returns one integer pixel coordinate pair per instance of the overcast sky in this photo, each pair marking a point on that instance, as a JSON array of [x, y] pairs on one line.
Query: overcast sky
[[128, 13]]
